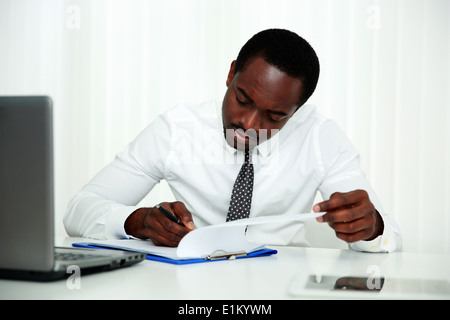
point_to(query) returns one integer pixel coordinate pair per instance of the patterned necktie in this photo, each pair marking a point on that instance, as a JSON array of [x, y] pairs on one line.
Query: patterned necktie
[[241, 198]]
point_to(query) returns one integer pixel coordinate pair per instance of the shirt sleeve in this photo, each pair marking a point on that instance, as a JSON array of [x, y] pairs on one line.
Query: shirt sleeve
[[100, 208], [339, 165]]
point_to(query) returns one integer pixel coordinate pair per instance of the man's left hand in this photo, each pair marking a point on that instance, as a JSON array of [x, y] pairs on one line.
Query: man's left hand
[[352, 216]]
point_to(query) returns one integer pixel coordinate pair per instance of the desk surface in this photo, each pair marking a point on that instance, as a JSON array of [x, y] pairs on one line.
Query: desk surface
[[293, 273]]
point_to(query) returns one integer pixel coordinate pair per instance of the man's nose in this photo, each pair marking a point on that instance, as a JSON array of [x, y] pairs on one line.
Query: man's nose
[[252, 120]]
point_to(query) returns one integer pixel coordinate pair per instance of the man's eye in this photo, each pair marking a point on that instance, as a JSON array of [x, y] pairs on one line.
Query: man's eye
[[241, 102], [275, 119]]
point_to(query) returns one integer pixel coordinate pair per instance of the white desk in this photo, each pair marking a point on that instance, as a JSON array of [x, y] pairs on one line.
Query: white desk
[[281, 276]]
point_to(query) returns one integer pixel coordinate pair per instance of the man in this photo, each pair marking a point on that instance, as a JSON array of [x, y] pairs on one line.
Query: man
[[291, 150]]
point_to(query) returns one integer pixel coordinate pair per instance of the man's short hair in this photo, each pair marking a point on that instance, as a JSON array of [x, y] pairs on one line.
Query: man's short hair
[[286, 51]]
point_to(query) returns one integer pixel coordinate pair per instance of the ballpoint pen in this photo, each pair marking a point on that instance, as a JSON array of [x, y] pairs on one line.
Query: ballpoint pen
[[169, 215]]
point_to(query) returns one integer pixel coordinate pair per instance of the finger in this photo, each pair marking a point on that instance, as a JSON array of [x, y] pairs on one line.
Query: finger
[[356, 230], [344, 215], [169, 225], [160, 236], [180, 210], [351, 227], [338, 200], [163, 231], [159, 240]]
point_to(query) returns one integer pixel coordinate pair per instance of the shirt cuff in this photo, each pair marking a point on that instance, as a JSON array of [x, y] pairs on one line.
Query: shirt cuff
[[115, 226], [387, 242]]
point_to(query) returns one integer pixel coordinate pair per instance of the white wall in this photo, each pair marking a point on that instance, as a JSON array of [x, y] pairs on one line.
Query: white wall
[[112, 66]]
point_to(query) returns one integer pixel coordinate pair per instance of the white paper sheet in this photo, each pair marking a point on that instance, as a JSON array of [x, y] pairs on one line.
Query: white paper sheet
[[272, 219]]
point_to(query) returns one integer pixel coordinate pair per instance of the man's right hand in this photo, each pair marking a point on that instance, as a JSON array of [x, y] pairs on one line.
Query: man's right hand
[[151, 223]]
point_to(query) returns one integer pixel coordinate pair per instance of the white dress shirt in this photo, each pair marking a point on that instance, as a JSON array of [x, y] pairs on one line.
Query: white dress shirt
[[186, 147]]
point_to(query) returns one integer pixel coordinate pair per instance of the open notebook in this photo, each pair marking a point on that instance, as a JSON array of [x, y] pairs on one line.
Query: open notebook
[[217, 242]]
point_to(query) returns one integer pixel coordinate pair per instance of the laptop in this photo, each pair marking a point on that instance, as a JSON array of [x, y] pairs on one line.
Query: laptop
[[27, 248]]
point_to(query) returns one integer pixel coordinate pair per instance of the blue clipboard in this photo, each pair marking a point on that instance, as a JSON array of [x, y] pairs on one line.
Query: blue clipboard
[[259, 253]]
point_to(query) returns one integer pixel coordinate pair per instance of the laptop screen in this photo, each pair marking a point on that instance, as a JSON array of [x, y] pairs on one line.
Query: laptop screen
[[26, 183]]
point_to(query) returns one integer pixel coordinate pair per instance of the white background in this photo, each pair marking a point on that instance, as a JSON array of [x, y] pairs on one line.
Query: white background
[[112, 66]]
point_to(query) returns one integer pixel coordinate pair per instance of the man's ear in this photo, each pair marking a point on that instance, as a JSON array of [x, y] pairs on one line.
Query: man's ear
[[231, 73]]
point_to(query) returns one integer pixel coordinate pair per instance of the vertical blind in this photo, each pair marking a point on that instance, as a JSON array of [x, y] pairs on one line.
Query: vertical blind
[[111, 66]]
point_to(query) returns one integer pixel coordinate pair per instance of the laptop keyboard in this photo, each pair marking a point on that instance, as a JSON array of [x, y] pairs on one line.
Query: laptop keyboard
[[72, 256]]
